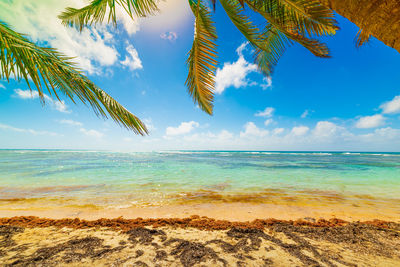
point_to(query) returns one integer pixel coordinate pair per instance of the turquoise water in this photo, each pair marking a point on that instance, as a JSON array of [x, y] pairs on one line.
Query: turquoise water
[[124, 179]]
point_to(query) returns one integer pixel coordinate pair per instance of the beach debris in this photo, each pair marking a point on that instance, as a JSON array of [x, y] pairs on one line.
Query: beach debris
[[198, 241]]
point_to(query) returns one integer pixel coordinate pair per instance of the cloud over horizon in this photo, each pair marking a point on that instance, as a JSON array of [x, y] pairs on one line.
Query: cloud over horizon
[[183, 128]]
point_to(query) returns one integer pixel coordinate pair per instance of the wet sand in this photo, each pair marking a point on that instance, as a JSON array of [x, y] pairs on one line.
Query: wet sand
[[197, 241], [224, 211]]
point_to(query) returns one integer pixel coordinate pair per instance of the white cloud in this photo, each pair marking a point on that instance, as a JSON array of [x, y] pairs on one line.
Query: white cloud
[[91, 49], [2, 86], [132, 60], [91, 133], [391, 107], [149, 124], [170, 36], [55, 104], [223, 137], [59, 105], [387, 133], [251, 130], [30, 131], [234, 74], [305, 114], [26, 94], [71, 122], [268, 84], [183, 128], [278, 131], [241, 48], [131, 26], [300, 130], [268, 122], [370, 121], [267, 112], [325, 129]]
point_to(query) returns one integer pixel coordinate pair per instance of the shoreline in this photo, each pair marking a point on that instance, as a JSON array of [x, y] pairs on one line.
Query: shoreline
[[194, 221], [219, 211]]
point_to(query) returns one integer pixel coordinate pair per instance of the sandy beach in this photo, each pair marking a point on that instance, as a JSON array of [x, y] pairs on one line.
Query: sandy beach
[[197, 241], [223, 211]]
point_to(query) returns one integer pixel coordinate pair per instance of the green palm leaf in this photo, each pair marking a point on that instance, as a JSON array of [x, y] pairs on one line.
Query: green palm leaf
[[234, 10], [51, 71], [285, 25], [309, 16], [97, 10], [271, 43], [275, 46], [202, 58]]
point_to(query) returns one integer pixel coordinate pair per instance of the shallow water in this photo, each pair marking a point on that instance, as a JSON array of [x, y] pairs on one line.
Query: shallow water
[[38, 178]]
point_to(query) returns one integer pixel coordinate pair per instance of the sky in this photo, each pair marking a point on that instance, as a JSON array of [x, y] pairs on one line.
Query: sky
[[350, 102]]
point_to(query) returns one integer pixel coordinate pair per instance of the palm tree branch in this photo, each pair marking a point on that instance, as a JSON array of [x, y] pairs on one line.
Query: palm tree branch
[[268, 45], [290, 30], [275, 44], [96, 11], [202, 58], [310, 16], [234, 10], [48, 69]]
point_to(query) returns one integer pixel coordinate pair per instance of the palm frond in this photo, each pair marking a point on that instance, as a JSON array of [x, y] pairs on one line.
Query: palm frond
[[49, 70], [268, 45], [234, 10], [91, 14], [202, 58], [97, 10], [288, 27], [277, 35], [309, 16], [275, 45], [362, 37]]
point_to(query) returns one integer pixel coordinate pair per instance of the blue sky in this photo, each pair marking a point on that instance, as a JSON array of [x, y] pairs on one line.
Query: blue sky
[[350, 102]]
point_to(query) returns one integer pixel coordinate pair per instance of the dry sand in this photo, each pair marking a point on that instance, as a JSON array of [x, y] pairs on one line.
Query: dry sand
[[197, 241]]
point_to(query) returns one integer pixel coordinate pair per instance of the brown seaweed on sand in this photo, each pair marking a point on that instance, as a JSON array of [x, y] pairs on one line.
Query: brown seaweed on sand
[[197, 241]]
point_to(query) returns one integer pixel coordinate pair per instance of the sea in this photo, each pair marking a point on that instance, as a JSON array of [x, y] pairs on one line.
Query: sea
[[103, 179]]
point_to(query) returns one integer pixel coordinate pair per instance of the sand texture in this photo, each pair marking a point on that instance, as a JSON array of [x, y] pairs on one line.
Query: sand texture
[[197, 241]]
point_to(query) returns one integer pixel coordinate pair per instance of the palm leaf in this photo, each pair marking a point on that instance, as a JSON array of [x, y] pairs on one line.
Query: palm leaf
[[271, 43], [201, 61], [281, 23], [214, 1], [268, 46], [49, 70], [234, 10], [97, 10], [362, 37], [309, 16], [275, 46]]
